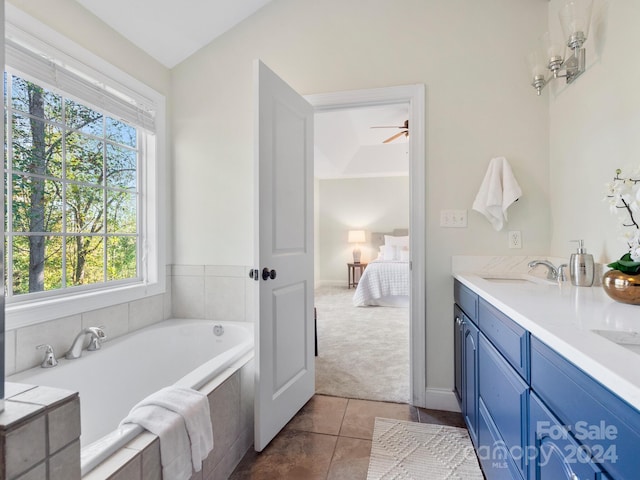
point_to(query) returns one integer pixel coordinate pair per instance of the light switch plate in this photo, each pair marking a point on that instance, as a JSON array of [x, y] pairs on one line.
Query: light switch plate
[[453, 218]]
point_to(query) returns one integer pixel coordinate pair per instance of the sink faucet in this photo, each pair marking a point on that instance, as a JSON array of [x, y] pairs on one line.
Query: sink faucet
[[97, 336], [552, 271]]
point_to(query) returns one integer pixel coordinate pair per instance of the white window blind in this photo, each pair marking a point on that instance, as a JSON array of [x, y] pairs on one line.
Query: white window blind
[[133, 109]]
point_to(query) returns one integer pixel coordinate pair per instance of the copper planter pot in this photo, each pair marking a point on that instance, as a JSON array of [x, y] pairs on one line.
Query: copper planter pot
[[622, 287]]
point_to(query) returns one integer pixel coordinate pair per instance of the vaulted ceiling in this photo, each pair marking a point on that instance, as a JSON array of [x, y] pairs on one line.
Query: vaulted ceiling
[[170, 31]]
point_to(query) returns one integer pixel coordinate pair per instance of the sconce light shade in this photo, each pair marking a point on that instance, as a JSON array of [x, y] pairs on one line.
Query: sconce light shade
[[356, 236], [553, 51], [575, 18]]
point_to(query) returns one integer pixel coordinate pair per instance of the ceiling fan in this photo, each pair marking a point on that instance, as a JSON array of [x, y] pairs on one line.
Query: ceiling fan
[[404, 128]]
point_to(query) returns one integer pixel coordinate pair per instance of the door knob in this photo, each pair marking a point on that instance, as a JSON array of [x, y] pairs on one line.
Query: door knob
[[268, 274]]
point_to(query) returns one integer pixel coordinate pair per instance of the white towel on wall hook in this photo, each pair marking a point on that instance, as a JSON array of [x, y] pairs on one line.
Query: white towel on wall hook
[[498, 191]]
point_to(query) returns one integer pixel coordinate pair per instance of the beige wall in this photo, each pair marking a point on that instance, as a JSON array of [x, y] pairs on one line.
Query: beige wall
[[594, 129], [469, 54], [371, 204]]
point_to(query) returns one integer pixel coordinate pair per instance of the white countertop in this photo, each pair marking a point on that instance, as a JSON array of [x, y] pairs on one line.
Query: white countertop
[[564, 316]]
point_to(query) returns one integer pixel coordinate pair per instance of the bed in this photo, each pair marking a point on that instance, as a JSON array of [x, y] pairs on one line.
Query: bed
[[385, 281]]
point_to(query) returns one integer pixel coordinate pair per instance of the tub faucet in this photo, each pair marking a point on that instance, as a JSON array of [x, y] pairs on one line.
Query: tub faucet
[[97, 336], [552, 271], [49, 359]]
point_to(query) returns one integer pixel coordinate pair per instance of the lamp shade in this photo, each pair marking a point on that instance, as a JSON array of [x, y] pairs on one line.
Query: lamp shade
[[357, 236]]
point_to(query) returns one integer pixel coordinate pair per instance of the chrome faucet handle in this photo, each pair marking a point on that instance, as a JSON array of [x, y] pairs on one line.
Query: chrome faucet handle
[[97, 337], [562, 277], [49, 357]]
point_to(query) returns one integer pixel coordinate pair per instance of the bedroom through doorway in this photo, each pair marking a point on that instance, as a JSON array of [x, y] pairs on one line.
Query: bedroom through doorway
[[362, 192]]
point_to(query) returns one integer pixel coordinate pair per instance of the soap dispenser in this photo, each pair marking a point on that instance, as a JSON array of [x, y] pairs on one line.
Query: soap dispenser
[[581, 266]]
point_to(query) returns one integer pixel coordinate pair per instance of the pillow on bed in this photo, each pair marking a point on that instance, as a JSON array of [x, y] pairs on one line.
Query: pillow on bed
[[389, 252], [404, 255], [400, 242]]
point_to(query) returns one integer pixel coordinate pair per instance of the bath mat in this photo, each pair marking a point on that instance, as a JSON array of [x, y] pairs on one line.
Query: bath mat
[[419, 451]]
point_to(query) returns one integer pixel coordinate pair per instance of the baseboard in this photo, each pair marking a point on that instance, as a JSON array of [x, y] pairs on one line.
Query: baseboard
[[441, 399], [330, 283]]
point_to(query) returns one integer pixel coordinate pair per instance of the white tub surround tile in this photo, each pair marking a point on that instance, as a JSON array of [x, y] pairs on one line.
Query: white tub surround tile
[[225, 271], [114, 319], [226, 428], [216, 292], [224, 298], [145, 312], [188, 270], [57, 333], [168, 296], [40, 430], [9, 352], [188, 296]]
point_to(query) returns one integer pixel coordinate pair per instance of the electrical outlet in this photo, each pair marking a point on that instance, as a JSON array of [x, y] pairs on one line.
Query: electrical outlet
[[515, 239]]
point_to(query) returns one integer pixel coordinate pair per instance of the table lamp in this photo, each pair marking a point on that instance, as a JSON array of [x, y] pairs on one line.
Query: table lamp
[[357, 237]]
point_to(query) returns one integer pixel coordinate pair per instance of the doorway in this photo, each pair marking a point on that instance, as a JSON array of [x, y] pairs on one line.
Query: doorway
[[412, 96], [362, 189]]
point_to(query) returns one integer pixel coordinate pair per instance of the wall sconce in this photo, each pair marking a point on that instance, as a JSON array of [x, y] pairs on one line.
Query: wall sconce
[[575, 18], [356, 236]]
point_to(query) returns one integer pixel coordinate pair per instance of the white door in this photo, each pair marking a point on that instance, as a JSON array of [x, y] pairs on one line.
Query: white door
[[285, 369]]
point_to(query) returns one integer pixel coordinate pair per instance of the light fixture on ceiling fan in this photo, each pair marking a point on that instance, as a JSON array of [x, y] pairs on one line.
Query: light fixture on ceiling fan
[[404, 128]]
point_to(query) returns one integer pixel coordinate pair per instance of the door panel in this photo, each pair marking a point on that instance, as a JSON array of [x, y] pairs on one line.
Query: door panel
[[285, 369]]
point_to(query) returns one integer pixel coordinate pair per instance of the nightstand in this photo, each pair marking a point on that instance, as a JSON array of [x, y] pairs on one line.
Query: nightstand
[[351, 273]]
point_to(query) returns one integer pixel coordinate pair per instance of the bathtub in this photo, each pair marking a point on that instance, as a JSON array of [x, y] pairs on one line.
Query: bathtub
[[125, 370]]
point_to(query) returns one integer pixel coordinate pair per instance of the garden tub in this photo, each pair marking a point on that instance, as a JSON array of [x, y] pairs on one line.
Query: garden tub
[[110, 381]]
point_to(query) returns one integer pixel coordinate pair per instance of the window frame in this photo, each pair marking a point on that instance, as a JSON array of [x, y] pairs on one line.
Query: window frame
[[22, 311]]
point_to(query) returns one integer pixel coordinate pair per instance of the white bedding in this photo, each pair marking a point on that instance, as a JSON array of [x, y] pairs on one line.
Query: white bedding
[[383, 283]]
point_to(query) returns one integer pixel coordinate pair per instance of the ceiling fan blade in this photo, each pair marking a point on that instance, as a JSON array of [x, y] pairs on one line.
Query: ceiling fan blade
[[397, 135]]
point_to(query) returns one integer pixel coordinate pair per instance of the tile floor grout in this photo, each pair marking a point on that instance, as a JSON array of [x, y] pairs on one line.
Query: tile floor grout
[[300, 450]]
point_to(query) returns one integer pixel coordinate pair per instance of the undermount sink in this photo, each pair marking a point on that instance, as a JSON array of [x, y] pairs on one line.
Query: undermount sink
[[516, 279], [629, 340]]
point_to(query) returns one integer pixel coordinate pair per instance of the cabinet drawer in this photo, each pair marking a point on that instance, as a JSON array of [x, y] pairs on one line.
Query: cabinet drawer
[[509, 338], [598, 419], [466, 300], [505, 397]]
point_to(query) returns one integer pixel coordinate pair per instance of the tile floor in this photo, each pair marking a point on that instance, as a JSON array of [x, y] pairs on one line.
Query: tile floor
[[330, 439]]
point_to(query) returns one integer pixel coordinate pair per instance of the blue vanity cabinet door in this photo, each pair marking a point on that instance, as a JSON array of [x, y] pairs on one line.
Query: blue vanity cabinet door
[[493, 454], [554, 454], [505, 395], [458, 336], [470, 379], [600, 420]]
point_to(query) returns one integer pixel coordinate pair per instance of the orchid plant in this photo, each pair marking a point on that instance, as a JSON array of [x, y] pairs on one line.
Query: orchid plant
[[623, 194]]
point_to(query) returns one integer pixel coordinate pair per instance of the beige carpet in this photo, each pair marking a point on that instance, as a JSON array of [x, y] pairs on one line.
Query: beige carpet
[[419, 451], [363, 352]]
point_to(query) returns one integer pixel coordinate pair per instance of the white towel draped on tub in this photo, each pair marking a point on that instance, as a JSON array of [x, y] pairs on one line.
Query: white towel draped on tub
[[498, 191], [180, 417]]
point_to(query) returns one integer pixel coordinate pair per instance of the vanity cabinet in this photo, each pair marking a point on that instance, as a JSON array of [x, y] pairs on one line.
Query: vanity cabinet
[[531, 413], [466, 357]]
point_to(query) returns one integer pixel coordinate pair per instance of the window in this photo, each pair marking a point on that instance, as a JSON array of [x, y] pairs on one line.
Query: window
[[72, 192], [84, 179]]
